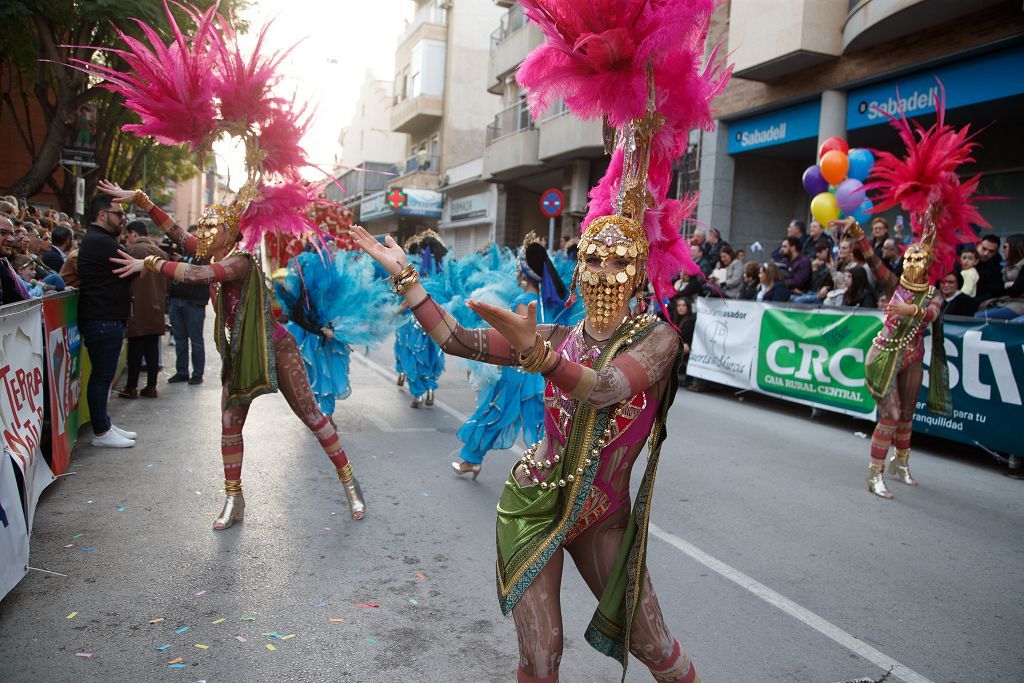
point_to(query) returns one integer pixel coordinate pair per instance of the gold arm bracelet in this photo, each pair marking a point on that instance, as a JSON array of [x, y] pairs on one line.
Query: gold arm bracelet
[[404, 279], [855, 231], [538, 356], [150, 262], [142, 200]]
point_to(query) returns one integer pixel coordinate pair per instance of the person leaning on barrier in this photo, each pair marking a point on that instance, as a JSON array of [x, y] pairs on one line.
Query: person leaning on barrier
[[954, 300], [11, 288], [751, 281]]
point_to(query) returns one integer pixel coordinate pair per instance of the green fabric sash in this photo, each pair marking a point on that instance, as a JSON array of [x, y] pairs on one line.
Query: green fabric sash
[[882, 367], [533, 522], [940, 398], [249, 368]]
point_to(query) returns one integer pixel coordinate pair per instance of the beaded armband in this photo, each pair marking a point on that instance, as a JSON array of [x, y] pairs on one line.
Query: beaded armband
[[404, 279], [151, 263]]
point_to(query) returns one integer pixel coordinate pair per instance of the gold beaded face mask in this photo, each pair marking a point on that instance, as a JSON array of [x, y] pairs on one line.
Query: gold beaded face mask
[[610, 266], [215, 218], [916, 263]]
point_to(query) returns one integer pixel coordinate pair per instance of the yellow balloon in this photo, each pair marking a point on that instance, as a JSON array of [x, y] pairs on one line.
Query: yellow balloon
[[824, 208]]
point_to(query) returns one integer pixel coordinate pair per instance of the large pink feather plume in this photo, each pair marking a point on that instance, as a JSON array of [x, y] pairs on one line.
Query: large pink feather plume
[[242, 85], [279, 141], [925, 178], [281, 208], [169, 86], [597, 51]]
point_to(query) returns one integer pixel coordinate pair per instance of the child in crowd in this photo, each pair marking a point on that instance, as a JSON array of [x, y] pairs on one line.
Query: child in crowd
[[968, 261], [25, 267]]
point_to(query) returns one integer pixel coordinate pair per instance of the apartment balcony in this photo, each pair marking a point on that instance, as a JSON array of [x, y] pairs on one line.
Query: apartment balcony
[[513, 143], [428, 16], [414, 115], [514, 38], [418, 171], [794, 35], [871, 22], [564, 137]]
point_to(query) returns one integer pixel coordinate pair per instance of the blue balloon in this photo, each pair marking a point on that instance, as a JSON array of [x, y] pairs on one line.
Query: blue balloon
[[813, 182], [863, 212], [861, 161]]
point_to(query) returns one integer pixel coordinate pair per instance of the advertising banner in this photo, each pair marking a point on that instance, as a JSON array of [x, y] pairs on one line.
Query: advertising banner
[[13, 530], [63, 368], [817, 357], [21, 399], [725, 341], [986, 375]]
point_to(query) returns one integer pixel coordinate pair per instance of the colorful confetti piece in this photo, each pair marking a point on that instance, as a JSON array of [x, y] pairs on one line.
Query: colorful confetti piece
[[77, 535], [201, 646], [322, 603], [371, 640], [176, 666], [88, 550], [83, 654], [368, 604], [177, 660], [290, 635], [72, 615], [421, 576], [182, 630], [200, 594], [412, 601], [241, 639], [327, 528], [158, 620], [335, 620], [217, 621], [270, 647], [120, 508], [248, 618], [70, 545], [164, 647]]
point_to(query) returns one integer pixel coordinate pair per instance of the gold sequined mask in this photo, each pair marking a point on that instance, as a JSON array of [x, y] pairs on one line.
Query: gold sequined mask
[[917, 261], [215, 218], [611, 266]]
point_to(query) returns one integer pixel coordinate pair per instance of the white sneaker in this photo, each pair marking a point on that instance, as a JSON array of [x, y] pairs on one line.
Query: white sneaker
[[124, 432], [112, 440]]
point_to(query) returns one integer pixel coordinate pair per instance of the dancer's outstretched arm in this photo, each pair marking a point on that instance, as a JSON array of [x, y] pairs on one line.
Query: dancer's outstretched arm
[[886, 277], [230, 269], [167, 225]]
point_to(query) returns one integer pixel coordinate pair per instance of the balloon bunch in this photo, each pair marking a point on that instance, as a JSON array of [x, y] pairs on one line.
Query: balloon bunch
[[836, 182]]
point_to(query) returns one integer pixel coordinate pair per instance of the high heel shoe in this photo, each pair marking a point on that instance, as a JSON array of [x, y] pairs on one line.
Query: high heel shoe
[[416, 402], [401, 379], [876, 482], [354, 494], [430, 397], [899, 466], [466, 468], [234, 505]]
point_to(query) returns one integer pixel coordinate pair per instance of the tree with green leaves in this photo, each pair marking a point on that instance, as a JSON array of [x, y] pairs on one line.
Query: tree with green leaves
[[41, 97]]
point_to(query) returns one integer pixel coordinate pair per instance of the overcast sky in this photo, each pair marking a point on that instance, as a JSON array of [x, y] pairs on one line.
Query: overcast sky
[[341, 39]]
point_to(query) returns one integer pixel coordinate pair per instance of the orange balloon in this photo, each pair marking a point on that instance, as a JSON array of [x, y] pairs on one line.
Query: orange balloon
[[834, 166]]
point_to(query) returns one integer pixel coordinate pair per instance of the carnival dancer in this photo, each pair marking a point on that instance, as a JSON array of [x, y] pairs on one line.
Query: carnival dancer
[[515, 402], [609, 380], [418, 359], [333, 302], [193, 91], [925, 184]]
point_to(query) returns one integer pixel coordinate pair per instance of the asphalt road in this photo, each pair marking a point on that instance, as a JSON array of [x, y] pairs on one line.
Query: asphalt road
[[771, 561]]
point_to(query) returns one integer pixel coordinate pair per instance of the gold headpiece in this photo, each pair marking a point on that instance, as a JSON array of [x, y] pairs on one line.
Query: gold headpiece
[[422, 235], [917, 260], [214, 216]]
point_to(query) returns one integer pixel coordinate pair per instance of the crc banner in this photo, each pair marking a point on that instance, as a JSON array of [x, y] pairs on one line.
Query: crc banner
[[724, 345], [63, 368], [986, 374], [817, 357]]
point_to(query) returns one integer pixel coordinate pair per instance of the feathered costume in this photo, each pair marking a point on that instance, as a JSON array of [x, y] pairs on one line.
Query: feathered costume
[[609, 382], [418, 359], [192, 91], [924, 183], [336, 291]]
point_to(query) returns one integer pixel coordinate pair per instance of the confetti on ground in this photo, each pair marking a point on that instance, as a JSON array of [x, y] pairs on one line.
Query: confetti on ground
[[353, 571], [120, 508], [177, 660], [217, 621], [182, 630], [327, 528], [426, 494], [83, 654], [176, 666], [200, 594], [270, 647], [164, 647], [148, 466], [371, 640], [368, 604], [158, 620], [335, 620], [290, 635], [248, 618], [77, 536], [199, 493], [412, 601], [201, 646], [421, 576], [322, 603], [70, 545], [88, 550], [241, 639], [72, 615]]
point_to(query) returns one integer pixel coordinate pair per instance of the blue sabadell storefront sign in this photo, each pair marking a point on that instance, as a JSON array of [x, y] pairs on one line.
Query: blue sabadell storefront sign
[[798, 122]]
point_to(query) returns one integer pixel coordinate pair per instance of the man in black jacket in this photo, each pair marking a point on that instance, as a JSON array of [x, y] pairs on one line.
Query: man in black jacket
[[187, 311], [990, 270], [104, 305]]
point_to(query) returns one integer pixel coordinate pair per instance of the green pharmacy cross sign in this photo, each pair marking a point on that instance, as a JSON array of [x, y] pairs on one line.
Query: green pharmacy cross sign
[[397, 198]]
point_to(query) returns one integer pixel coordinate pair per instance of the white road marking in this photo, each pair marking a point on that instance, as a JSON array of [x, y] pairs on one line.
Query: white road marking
[[794, 610]]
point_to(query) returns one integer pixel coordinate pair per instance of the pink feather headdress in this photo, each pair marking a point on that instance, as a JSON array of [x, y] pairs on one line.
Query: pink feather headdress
[[924, 180], [191, 91], [602, 57]]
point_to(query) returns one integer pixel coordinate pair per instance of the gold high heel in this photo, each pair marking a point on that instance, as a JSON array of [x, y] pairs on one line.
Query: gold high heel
[[876, 482], [899, 466], [234, 505], [466, 468], [430, 397], [353, 493], [416, 402], [401, 379]]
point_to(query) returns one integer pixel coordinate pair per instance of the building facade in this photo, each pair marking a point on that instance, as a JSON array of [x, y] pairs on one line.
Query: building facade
[[812, 69]]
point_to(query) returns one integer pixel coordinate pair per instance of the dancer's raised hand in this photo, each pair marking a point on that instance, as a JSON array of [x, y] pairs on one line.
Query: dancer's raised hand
[[118, 194], [519, 330], [128, 265], [389, 255]]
